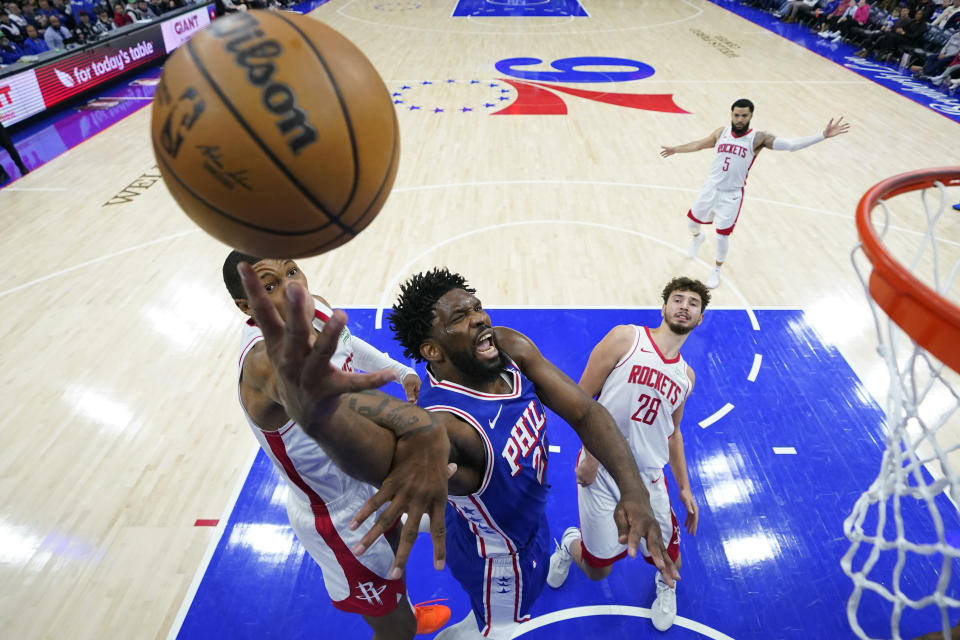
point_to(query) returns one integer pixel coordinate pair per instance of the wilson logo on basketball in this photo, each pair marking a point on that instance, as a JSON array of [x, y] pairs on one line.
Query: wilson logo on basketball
[[257, 56]]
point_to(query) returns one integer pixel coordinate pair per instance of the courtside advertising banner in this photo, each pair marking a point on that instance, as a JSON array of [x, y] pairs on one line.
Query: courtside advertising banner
[[20, 97], [75, 74], [182, 28], [30, 92]]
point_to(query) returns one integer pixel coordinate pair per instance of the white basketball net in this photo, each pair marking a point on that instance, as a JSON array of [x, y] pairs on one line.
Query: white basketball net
[[921, 399]]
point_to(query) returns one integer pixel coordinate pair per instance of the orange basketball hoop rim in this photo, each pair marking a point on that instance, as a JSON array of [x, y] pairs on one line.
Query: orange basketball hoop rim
[[925, 315]]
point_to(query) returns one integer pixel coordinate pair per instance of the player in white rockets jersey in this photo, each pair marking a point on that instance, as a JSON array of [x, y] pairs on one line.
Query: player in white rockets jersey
[[322, 499], [721, 196], [644, 383]]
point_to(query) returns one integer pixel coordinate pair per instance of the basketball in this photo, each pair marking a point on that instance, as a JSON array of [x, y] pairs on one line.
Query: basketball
[[275, 134]]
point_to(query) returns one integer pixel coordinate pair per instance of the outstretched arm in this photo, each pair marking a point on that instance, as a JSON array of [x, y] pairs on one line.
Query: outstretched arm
[[599, 433], [696, 145], [770, 141], [678, 464], [312, 392], [368, 358], [603, 359]]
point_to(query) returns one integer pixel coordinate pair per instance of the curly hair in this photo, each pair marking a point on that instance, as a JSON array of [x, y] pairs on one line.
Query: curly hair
[[682, 283], [230, 276], [411, 319]]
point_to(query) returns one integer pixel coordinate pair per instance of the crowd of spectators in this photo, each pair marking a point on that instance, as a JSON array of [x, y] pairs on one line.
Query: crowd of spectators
[[921, 35], [31, 27]]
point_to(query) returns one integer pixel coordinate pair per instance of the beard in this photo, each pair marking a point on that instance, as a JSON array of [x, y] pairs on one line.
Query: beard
[[739, 129], [679, 329], [472, 367]]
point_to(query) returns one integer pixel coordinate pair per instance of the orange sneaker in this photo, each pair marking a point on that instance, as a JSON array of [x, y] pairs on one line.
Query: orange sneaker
[[431, 617]]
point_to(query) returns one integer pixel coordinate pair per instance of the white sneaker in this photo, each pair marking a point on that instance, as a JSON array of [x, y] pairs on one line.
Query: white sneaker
[[466, 629], [560, 559], [837, 38], [695, 245], [714, 280], [664, 608]]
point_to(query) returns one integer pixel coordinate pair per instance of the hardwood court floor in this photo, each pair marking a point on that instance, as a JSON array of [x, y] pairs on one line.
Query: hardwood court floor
[[120, 426]]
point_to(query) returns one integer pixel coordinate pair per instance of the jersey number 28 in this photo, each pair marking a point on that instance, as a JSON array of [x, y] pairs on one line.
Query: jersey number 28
[[648, 409]]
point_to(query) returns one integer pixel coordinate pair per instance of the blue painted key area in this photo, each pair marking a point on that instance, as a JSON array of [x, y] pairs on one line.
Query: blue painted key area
[[764, 564]]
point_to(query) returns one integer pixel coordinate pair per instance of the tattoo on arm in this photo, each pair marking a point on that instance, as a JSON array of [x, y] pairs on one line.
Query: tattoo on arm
[[401, 418]]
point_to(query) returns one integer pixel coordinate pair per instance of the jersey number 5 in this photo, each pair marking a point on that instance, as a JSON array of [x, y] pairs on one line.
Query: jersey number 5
[[726, 163], [648, 410]]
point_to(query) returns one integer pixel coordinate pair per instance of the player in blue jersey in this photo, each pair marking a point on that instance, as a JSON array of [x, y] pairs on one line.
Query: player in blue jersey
[[485, 416], [494, 383]]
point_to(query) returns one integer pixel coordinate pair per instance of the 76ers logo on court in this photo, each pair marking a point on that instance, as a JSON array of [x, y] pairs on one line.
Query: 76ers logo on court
[[532, 89]]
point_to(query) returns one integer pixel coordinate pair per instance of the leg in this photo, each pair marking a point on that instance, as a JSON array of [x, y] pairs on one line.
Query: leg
[[596, 503], [663, 611], [7, 144], [700, 213], [729, 204], [698, 238], [399, 624]]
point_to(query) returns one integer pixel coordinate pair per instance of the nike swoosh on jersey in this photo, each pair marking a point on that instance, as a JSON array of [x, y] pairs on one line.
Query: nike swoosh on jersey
[[493, 422]]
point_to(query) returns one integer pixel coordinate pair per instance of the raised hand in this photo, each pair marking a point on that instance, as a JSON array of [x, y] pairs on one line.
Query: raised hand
[[308, 385], [836, 128], [416, 485], [693, 514], [666, 152], [635, 520], [587, 468], [411, 386]]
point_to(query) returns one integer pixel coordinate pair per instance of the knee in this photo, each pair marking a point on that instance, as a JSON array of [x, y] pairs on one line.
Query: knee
[[597, 573]]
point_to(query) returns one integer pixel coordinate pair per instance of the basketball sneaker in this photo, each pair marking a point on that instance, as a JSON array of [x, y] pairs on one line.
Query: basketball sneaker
[[431, 617], [695, 245], [664, 608], [714, 280], [561, 558], [466, 629]]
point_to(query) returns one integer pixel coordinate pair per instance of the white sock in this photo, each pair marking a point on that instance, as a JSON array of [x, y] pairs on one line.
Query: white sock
[[723, 246]]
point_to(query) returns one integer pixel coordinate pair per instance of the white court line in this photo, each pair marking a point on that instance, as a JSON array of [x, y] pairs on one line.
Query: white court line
[[640, 185], [706, 422], [757, 358], [554, 448], [652, 80], [406, 267], [578, 32], [785, 451], [205, 562], [613, 610], [105, 256]]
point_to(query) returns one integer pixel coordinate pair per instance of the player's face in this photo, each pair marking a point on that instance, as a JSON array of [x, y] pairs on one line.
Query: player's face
[[275, 276], [463, 331], [740, 119], [683, 311]]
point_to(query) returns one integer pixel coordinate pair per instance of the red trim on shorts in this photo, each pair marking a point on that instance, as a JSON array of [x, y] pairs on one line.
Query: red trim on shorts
[[381, 596], [690, 215], [516, 590], [673, 549], [594, 561], [729, 230], [489, 613]]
